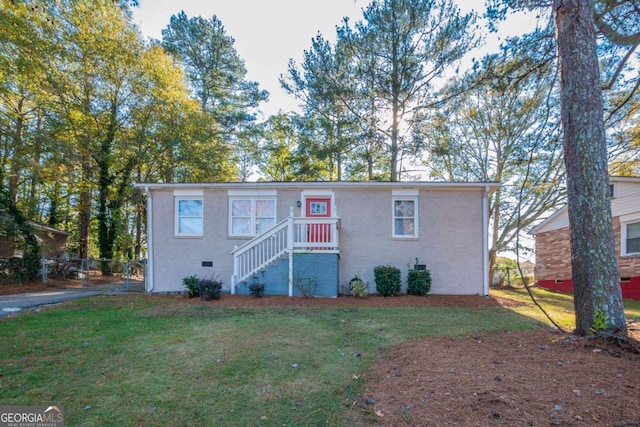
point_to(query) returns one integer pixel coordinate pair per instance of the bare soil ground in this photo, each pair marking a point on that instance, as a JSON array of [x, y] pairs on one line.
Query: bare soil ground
[[530, 378]]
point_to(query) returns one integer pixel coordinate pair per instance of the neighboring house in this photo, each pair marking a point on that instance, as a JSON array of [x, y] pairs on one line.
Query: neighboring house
[[53, 242], [553, 248], [314, 237]]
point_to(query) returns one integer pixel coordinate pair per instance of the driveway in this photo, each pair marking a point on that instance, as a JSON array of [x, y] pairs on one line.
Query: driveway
[[10, 304]]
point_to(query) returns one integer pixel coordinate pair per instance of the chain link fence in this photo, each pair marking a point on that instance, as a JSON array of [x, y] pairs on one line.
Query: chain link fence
[[127, 275]]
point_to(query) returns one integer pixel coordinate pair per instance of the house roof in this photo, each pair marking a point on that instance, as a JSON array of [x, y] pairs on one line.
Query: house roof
[[38, 226], [48, 229], [346, 185], [563, 210]]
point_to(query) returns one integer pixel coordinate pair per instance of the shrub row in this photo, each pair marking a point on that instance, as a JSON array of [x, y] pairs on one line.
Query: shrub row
[[388, 282], [206, 289]]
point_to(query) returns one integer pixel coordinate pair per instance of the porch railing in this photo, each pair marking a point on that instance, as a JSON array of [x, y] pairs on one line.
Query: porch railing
[[291, 235]]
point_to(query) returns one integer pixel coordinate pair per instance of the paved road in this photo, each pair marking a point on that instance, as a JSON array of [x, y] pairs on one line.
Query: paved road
[[33, 301]]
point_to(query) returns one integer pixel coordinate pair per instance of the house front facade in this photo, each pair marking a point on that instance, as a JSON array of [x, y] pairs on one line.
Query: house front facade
[[312, 238], [553, 246]]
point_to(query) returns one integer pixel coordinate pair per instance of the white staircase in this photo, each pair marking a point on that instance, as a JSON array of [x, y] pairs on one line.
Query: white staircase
[[289, 236]]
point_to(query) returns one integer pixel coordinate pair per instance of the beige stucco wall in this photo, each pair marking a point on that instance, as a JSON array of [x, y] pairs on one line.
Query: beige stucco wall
[[450, 239], [449, 243]]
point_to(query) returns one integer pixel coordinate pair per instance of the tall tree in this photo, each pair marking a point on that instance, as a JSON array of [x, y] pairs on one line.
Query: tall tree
[[594, 264], [281, 157], [218, 77], [25, 48], [327, 91], [411, 45], [92, 79], [593, 261], [502, 130], [385, 68]]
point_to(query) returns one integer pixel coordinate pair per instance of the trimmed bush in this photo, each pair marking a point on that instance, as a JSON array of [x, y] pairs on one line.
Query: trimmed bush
[[191, 285], [387, 279], [210, 289], [418, 282]]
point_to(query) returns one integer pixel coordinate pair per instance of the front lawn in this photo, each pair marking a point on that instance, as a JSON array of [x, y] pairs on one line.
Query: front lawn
[[134, 360]]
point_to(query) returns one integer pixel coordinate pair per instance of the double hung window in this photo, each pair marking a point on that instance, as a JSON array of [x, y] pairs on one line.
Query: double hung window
[[405, 217], [251, 216], [631, 238], [188, 216]]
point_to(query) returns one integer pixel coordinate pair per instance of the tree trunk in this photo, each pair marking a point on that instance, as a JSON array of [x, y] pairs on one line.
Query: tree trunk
[[16, 163], [84, 212], [495, 226], [84, 204], [597, 293]]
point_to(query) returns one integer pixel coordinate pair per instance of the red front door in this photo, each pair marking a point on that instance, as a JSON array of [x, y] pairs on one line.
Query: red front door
[[318, 207]]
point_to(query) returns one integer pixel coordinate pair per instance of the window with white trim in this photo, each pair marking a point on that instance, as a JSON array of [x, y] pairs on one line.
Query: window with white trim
[[405, 217], [188, 216], [251, 216], [631, 238]]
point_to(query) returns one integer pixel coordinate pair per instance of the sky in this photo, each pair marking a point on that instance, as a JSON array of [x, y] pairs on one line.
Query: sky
[[267, 33]]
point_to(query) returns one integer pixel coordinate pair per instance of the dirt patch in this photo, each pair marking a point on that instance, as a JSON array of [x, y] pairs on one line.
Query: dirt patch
[[529, 378]]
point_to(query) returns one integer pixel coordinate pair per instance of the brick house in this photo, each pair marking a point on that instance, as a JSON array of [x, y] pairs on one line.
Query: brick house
[[52, 241], [294, 234], [553, 249]]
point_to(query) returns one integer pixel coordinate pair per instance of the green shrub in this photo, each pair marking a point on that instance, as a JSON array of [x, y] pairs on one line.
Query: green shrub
[[256, 289], [210, 289], [418, 282], [357, 288], [387, 279], [191, 285]]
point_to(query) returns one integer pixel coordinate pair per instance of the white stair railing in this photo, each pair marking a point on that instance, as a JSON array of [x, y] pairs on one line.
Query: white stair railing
[[319, 235], [258, 253], [315, 234]]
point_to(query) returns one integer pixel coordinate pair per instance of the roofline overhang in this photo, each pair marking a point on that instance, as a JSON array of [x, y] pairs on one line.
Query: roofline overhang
[[490, 187]]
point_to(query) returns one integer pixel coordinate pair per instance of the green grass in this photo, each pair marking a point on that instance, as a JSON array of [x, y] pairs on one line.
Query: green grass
[[140, 361], [137, 361], [558, 305]]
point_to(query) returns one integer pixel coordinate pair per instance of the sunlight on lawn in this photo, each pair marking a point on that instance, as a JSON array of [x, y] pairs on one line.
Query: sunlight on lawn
[[559, 306]]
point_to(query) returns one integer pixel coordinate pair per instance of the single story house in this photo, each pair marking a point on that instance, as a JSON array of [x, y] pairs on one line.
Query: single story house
[[52, 241], [553, 246], [312, 238]]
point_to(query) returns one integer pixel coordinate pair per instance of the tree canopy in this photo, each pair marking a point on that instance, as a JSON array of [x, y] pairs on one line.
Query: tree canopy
[[87, 106]]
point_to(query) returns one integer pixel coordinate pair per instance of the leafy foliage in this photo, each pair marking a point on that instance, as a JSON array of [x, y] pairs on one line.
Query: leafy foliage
[[87, 107], [14, 226], [257, 289], [387, 278], [358, 288], [418, 282], [210, 289], [191, 284]]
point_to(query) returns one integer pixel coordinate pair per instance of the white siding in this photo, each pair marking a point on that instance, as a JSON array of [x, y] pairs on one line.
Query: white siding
[[626, 201]]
